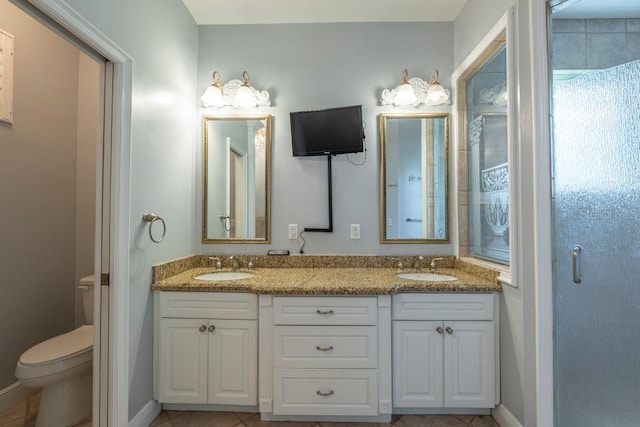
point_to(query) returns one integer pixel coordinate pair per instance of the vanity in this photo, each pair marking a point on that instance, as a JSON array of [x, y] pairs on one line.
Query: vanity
[[330, 343]]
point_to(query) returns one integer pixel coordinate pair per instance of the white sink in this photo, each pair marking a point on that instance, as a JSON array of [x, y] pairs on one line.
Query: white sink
[[223, 275], [427, 277]]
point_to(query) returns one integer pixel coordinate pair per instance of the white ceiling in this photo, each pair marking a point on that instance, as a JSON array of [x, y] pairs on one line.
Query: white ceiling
[[217, 12], [587, 9]]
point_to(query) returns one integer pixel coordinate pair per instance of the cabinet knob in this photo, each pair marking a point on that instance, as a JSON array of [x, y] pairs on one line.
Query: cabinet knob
[[212, 328], [329, 348], [449, 330], [202, 328], [440, 330], [324, 311], [324, 393]]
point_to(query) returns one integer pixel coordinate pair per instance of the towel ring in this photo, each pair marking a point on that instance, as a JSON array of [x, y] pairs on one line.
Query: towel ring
[[151, 218]]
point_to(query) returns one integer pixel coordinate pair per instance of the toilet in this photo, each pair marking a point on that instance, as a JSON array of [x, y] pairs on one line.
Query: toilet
[[63, 367]]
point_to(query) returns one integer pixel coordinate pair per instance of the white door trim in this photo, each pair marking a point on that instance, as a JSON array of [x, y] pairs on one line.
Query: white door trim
[[68, 18], [541, 317]]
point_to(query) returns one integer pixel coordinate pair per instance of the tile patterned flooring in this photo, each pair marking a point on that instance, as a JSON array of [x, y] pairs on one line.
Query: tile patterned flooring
[[240, 419], [24, 414]]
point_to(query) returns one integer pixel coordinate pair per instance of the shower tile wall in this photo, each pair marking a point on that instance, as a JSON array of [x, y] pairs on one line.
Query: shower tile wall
[[584, 44]]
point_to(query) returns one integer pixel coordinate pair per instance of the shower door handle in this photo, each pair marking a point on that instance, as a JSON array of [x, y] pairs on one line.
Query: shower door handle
[[576, 266]]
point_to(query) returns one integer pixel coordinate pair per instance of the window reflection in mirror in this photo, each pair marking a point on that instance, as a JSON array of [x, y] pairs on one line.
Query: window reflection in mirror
[[413, 178], [236, 178]]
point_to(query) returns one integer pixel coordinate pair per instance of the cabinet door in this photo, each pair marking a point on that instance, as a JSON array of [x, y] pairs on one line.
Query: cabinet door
[[417, 364], [182, 360], [469, 354], [233, 362]]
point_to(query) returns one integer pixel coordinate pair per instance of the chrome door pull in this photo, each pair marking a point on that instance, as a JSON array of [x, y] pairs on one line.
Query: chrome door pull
[[202, 328], [449, 330], [329, 348], [324, 311], [576, 267], [439, 330], [324, 393]]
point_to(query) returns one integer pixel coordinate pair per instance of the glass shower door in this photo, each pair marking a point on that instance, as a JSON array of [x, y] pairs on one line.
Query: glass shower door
[[596, 188]]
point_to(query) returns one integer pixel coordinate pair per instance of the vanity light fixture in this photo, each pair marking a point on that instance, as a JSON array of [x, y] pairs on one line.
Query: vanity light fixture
[[436, 94], [214, 95], [415, 91], [236, 93], [405, 94]]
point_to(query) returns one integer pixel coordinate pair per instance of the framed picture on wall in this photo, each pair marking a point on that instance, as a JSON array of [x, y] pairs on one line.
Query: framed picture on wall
[[6, 77]]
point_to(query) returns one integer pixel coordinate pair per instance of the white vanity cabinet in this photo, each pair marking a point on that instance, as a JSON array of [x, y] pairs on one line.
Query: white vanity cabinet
[[206, 348], [325, 356], [445, 350]]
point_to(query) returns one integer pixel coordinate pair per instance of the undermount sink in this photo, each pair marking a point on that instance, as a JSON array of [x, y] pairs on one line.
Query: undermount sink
[[223, 275], [427, 277]]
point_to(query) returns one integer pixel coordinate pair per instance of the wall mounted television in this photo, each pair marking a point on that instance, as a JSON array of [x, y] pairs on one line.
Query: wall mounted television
[[327, 132]]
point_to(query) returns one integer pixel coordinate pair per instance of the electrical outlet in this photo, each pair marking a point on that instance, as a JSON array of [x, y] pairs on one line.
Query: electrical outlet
[[355, 231], [293, 231]]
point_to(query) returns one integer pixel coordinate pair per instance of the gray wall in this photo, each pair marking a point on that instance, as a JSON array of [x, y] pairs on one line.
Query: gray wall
[[161, 37], [38, 191], [473, 23], [311, 66], [89, 133]]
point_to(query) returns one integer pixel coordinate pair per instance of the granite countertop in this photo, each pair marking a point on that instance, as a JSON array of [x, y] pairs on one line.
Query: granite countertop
[[325, 281]]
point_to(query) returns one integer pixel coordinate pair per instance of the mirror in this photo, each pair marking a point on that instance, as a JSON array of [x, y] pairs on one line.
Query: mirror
[[236, 179], [414, 156]]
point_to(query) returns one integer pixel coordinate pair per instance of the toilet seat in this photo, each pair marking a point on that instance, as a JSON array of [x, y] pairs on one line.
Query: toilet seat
[[56, 354]]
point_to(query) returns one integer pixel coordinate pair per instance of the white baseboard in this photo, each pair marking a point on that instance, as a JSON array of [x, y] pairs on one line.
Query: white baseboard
[[504, 417], [13, 395], [146, 415]]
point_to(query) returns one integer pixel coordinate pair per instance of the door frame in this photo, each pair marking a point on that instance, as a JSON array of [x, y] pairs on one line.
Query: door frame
[[117, 398], [538, 312]]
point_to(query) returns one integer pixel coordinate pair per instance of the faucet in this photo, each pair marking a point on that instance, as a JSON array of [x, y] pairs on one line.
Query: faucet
[[399, 265], [251, 265], [234, 264], [433, 267], [417, 264], [218, 263]]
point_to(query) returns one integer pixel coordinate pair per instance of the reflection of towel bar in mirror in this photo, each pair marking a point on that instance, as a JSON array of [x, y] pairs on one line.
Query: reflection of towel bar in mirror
[[236, 167], [413, 220]]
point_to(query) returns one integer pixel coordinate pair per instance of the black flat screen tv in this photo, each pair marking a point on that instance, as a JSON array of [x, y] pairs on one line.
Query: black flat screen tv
[[327, 132]]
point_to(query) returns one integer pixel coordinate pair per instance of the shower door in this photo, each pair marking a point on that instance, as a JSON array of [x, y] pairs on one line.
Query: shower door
[[596, 190]]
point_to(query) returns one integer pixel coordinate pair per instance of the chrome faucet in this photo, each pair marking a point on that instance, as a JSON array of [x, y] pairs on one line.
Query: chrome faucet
[[433, 267], [251, 265], [399, 265], [417, 264], [218, 263], [234, 264]]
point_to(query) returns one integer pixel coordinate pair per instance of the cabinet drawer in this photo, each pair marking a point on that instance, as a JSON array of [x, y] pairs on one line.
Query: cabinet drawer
[[427, 306], [325, 392], [325, 310], [325, 346], [211, 305]]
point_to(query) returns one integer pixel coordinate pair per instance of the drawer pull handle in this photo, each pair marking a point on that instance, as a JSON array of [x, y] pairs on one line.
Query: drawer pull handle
[[449, 330], [324, 348], [202, 328], [324, 393], [212, 328], [324, 311]]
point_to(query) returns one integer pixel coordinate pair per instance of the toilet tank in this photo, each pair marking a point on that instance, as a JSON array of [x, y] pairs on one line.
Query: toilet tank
[[86, 287]]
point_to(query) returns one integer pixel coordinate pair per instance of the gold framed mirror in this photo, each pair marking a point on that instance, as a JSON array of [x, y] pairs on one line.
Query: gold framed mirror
[[414, 159], [236, 178]]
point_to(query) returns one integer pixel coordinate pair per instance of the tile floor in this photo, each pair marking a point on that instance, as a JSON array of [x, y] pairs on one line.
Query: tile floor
[[24, 415], [240, 419]]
